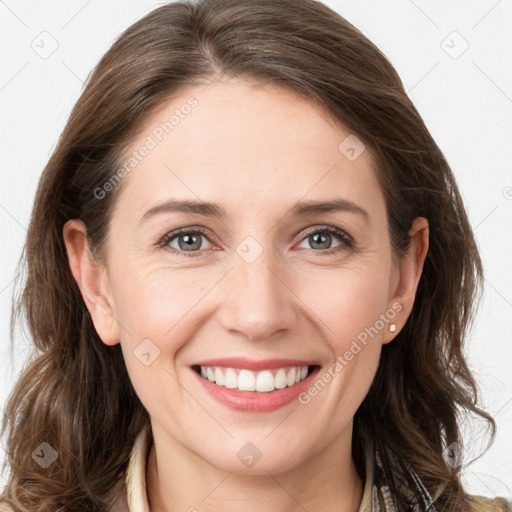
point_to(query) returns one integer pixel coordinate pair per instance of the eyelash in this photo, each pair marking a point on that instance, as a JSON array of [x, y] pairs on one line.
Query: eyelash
[[347, 240]]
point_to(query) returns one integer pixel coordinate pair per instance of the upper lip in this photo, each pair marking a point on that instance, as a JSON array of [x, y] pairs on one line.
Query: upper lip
[[251, 364]]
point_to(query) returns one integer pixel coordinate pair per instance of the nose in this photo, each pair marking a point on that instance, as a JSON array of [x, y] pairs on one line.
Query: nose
[[257, 301]]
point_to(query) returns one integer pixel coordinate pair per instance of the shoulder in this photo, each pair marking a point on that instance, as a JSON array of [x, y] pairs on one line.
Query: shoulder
[[483, 504]]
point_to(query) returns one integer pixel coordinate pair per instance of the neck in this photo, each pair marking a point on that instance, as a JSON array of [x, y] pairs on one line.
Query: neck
[[178, 479]]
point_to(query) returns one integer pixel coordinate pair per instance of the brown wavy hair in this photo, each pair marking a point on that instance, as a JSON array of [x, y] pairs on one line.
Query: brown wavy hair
[[75, 393]]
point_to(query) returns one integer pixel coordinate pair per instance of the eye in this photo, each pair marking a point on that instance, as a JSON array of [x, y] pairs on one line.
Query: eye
[[322, 238], [184, 241], [189, 242]]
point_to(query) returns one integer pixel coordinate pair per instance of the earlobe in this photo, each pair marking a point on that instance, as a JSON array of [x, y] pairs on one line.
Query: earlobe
[[92, 280], [409, 274]]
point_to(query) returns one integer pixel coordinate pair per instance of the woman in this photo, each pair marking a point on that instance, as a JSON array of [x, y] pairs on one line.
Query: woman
[[197, 351]]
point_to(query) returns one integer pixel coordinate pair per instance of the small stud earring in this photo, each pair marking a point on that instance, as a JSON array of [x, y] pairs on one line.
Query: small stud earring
[[392, 327]]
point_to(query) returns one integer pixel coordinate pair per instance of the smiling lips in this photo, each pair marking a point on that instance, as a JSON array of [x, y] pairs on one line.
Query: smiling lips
[[255, 386]]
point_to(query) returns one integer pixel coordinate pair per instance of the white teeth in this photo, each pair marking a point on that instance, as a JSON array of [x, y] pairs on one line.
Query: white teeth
[[219, 377], [280, 380], [290, 379], [231, 379], [262, 382], [246, 381]]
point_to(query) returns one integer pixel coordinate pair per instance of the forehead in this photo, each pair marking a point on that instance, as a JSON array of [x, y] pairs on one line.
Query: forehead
[[244, 145]]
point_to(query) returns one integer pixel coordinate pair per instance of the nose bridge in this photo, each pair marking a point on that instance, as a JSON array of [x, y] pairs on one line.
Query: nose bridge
[[257, 302]]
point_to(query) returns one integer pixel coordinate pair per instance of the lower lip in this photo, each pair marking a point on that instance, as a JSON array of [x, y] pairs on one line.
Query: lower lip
[[253, 401]]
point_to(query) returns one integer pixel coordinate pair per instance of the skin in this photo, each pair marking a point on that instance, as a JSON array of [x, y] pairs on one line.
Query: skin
[[256, 150]]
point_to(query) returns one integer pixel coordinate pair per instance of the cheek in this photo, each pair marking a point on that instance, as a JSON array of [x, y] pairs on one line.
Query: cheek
[[348, 301], [160, 309], [152, 307], [350, 304], [159, 304]]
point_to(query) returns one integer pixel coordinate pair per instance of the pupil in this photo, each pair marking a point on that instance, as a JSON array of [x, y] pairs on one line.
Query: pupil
[[189, 242], [324, 236]]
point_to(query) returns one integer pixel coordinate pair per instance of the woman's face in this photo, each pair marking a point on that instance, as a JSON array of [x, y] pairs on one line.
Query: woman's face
[[262, 281]]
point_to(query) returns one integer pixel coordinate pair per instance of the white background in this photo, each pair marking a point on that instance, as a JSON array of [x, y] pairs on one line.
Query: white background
[[466, 103]]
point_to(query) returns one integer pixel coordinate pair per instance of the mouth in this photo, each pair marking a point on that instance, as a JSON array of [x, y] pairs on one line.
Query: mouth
[[267, 380]]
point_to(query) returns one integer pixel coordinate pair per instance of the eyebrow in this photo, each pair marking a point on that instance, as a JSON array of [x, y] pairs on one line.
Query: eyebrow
[[300, 209]]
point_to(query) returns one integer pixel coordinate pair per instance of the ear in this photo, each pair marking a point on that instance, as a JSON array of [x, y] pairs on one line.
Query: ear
[[92, 279], [408, 275]]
